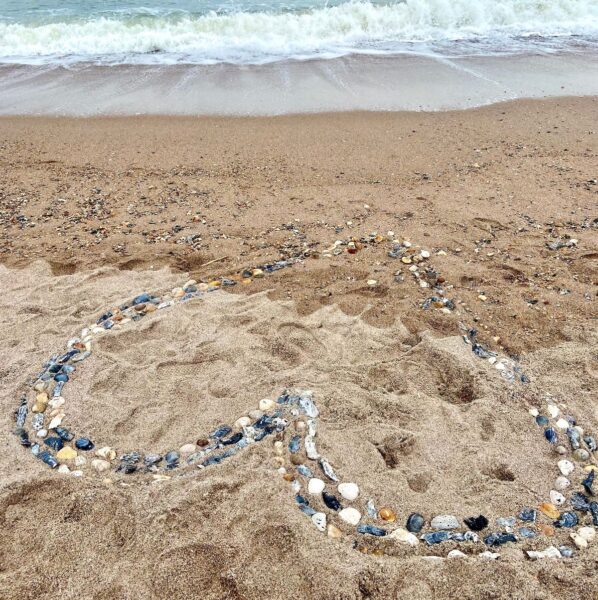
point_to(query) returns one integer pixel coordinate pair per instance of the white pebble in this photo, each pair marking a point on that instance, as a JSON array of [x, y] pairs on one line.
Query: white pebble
[[550, 552], [56, 402], [553, 410], [534, 412], [489, 555], [100, 465], [349, 491], [456, 554], [63, 469], [350, 515], [42, 433], [106, 452], [562, 424], [315, 486], [80, 461], [579, 541], [402, 535], [566, 467], [319, 520], [55, 422], [425, 254], [557, 498], [310, 448], [266, 404], [77, 473], [187, 449], [587, 533], [562, 483], [242, 422]]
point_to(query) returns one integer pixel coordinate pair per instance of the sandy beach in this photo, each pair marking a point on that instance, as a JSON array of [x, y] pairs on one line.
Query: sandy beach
[[95, 211]]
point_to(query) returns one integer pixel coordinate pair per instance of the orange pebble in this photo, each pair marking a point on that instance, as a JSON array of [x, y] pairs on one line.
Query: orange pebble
[[288, 477], [550, 510], [544, 529], [387, 514]]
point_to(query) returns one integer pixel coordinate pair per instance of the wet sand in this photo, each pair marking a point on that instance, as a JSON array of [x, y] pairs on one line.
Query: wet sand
[[95, 211]]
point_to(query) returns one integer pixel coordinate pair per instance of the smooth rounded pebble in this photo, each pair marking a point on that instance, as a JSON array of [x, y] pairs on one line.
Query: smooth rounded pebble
[[100, 465], [242, 422], [562, 483], [557, 498], [350, 515], [456, 554], [187, 449], [566, 467], [66, 453], [315, 486], [402, 535], [587, 533], [266, 404], [349, 491]]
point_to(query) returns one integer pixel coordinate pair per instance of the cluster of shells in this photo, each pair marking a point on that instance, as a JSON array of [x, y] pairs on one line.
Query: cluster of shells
[[333, 506]]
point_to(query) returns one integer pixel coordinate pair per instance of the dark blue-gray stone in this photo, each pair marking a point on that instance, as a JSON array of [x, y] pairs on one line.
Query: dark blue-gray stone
[[54, 442], [476, 523], [567, 519], [574, 438], [528, 514], [295, 444], [47, 458], [308, 510], [64, 434], [550, 435], [301, 499], [526, 532], [542, 420], [171, 457], [331, 501], [588, 482], [23, 437], [151, 459], [594, 513], [498, 539], [305, 471], [84, 444], [141, 299], [591, 442], [126, 467], [566, 551], [220, 431], [132, 457], [57, 389], [233, 439], [415, 522], [371, 530], [21, 412], [580, 502], [436, 537]]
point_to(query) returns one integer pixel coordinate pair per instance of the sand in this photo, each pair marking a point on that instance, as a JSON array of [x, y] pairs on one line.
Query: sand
[[407, 411]]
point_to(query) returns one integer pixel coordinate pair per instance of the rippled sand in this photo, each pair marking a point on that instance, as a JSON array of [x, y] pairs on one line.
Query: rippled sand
[[416, 420]]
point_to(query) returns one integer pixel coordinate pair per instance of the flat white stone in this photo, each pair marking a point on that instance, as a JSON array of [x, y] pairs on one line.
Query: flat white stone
[[566, 467], [444, 522], [553, 410], [550, 552], [100, 465], [579, 541], [562, 483], [534, 412], [562, 424], [310, 448], [242, 422], [456, 554], [402, 535], [315, 486], [63, 469], [319, 520], [350, 515], [587, 533], [487, 555], [55, 422], [349, 491], [80, 461], [557, 498]]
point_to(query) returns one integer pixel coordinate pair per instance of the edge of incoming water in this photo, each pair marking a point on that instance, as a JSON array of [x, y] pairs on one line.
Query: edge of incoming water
[[402, 82]]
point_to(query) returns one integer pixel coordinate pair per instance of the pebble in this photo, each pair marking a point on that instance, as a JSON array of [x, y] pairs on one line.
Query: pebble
[[187, 449], [542, 420], [579, 541], [445, 522], [55, 422], [65, 454], [506, 522], [561, 450], [553, 410], [310, 448], [266, 404], [106, 452], [328, 471], [334, 531], [526, 532], [550, 552], [436, 537], [80, 461], [528, 515], [566, 467], [402, 535], [315, 486], [319, 520], [415, 523], [487, 555], [498, 539], [562, 424], [581, 454], [84, 444], [100, 465], [42, 433], [567, 519], [550, 510], [242, 422], [456, 554], [64, 469], [562, 483], [350, 515], [566, 551], [587, 533], [55, 443], [349, 491], [387, 514], [551, 435], [331, 501], [557, 498], [371, 530]]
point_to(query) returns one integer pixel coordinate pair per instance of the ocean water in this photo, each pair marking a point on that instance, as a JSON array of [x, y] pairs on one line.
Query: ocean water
[[253, 32]]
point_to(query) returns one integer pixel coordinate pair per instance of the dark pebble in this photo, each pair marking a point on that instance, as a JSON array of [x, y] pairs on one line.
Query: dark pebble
[[528, 514], [171, 457], [550, 435], [331, 501], [436, 537], [526, 532], [220, 431], [55, 443], [371, 530], [47, 458], [295, 444], [141, 299], [498, 539], [64, 433], [233, 439], [580, 502], [476, 523], [588, 482], [127, 468], [84, 444], [567, 519], [542, 420], [415, 522]]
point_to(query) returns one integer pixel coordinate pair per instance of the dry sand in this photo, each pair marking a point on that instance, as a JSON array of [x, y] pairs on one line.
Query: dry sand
[[388, 377]]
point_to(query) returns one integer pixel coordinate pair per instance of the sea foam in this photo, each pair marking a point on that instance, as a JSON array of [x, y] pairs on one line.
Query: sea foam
[[258, 37]]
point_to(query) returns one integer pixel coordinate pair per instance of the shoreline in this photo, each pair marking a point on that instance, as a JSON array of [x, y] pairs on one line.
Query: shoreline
[[350, 83]]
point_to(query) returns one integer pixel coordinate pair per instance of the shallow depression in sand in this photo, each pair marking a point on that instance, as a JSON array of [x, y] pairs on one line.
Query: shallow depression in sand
[[415, 419]]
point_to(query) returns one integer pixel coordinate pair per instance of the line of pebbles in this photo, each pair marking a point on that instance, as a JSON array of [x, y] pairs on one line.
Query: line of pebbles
[[291, 422]]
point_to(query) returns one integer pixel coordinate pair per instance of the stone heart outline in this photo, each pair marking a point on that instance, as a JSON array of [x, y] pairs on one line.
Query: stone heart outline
[[298, 409]]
